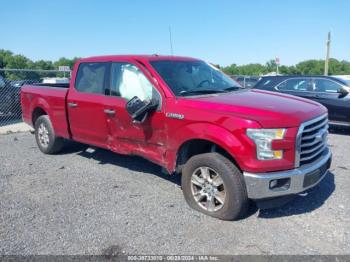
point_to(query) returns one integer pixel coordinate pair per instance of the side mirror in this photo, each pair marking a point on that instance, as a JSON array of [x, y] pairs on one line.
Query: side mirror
[[343, 91], [138, 109]]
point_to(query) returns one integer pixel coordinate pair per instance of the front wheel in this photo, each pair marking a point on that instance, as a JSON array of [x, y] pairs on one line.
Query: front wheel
[[46, 139], [213, 185]]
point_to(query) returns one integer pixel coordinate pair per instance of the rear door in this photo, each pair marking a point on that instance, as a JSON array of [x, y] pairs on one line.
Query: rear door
[[86, 104], [297, 86], [326, 92]]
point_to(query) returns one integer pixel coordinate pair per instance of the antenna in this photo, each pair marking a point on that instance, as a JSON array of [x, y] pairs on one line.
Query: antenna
[[171, 41]]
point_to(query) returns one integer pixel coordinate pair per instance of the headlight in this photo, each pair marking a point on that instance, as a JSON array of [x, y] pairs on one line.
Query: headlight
[[263, 139]]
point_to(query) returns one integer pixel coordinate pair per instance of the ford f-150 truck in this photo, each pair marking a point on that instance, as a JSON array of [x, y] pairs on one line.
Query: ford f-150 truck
[[229, 144]]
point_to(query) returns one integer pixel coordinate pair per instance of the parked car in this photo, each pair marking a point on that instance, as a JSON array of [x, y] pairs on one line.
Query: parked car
[[10, 102], [9, 98], [247, 81], [331, 92], [229, 144], [55, 80]]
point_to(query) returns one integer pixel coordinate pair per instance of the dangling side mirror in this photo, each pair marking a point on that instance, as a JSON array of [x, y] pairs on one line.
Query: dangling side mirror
[[138, 109]]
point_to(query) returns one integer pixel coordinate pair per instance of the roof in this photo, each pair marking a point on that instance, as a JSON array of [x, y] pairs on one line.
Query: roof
[[154, 57], [277, 79]]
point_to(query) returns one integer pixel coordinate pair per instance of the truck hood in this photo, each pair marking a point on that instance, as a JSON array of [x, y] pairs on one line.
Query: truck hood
[[269, 109]]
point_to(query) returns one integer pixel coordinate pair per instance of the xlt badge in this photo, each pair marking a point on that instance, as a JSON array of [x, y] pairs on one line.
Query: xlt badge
[[175, 115]]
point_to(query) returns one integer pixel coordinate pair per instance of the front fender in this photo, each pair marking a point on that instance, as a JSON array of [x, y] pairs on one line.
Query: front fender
[[235, 143]]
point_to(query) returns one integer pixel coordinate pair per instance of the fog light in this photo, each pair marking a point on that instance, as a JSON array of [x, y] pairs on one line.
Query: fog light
[[280, 184], [273, 183]]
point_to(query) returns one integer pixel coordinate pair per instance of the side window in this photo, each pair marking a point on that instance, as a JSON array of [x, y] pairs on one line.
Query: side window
[[301, 84], [90, 77], [128, 81], [324, 85], [268, 81]]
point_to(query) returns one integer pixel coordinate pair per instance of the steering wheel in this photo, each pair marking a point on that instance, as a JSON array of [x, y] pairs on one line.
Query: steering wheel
[[202, 82]]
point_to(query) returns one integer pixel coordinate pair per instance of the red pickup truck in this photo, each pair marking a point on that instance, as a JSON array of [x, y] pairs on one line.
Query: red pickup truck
[[229, 144]]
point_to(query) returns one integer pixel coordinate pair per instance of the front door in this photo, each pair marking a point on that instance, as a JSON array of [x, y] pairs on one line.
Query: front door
[[86, 104], [127, 136]]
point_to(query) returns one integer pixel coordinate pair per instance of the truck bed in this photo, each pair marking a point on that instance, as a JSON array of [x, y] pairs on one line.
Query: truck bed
[[51, 98], [58, 85]]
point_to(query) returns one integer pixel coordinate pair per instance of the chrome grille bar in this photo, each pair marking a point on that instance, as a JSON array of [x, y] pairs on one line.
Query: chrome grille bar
[[323, 123], [311, 140]]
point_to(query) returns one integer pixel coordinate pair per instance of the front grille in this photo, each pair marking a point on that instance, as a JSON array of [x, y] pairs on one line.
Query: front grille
[[311, 140]]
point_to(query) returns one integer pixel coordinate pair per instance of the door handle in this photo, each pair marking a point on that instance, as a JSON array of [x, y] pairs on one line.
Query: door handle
[[71, 104], [109, 111]]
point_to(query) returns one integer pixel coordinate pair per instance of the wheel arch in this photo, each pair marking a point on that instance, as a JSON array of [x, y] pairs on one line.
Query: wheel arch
[[37, 112], [197, 146]]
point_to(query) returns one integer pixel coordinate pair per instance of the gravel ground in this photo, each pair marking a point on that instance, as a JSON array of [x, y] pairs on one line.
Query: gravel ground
[[87, 201]]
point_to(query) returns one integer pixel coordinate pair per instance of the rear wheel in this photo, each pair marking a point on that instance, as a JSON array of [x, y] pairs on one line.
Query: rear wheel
[[46, 139], [213, 185]]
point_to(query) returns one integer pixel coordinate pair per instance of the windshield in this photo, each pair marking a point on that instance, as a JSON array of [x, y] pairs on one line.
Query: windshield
[[193, 77]]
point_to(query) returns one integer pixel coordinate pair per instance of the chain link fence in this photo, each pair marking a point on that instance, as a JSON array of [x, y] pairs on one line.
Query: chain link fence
[[11, 81]]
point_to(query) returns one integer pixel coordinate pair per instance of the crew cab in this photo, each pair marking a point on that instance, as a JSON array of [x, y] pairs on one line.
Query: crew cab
[[229, 144]]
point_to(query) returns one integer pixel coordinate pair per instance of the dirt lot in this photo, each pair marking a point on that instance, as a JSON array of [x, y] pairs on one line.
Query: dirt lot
[[87, 201]]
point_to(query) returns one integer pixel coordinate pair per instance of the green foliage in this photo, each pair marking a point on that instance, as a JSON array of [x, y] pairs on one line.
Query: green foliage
[[250, 69], [271, 66], [65, 62], [44, 65], [9, 60], [308, 67]]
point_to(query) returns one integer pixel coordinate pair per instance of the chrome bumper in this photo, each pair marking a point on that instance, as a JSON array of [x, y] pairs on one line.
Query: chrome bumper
[[295, 180]]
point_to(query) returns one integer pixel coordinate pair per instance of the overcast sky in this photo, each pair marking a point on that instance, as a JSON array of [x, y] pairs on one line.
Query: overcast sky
[[222, 32]]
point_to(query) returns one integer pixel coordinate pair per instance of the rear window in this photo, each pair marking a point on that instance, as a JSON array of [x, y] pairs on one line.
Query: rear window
[[91, 78]]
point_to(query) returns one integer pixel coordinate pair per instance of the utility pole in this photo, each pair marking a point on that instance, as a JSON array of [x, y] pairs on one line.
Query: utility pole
[[328, 46], [277, 62], [171, 41]]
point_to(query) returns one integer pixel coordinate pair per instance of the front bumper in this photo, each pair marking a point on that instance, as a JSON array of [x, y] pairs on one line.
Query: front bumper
[[294, 181]]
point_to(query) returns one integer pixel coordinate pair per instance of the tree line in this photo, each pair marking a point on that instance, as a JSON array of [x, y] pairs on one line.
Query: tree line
[[308, 67], [11, 60], [15, 61]]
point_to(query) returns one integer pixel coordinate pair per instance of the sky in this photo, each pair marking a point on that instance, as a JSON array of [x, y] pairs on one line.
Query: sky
[[222, 31]]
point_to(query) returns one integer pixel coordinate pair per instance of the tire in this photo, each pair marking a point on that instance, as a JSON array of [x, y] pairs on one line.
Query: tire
[[46, 139], [232, 191]]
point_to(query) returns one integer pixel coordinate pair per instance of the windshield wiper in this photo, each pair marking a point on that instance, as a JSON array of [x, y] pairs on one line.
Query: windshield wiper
[[209, 91], [201, 91], [231, 88]]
